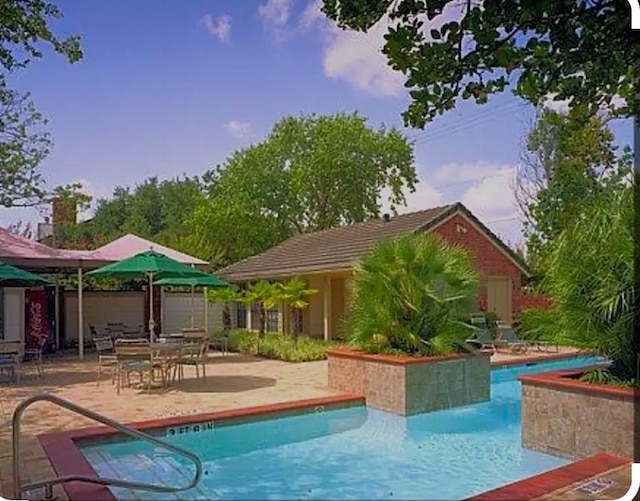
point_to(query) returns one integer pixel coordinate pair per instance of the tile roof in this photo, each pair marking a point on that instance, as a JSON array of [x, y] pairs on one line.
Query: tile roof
[[334, 248]]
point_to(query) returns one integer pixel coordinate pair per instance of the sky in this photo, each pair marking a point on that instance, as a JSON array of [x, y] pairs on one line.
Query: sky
[[174, 87]]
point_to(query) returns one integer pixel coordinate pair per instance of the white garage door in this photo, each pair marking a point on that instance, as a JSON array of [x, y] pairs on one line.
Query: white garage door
[[177, 312], [14, 314], [101, 308]]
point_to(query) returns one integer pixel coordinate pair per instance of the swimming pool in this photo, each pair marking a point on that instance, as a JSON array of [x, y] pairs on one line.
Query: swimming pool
[[349, 453]]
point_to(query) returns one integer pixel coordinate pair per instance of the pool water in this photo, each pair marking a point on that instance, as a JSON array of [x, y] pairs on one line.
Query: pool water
[[352, 453]]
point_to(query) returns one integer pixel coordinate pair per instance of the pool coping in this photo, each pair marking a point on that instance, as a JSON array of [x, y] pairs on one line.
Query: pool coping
[[553, 480], [537, 359], [66, 458]]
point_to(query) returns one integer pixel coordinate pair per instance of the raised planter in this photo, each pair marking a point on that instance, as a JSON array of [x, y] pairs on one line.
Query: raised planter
[[411, 385], [567, 417]]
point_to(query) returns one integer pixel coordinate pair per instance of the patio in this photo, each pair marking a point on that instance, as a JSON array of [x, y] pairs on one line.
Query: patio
[[234, 381]]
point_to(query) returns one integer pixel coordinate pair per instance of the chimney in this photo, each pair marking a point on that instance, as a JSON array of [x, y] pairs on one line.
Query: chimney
[[386, 218], [64, 212]]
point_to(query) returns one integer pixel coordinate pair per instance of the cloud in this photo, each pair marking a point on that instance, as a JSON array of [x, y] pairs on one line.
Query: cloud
[[218, 27], [455, 173], [493, 196], [357, 57], [562, 106], [239, 130], [425, 197], [275, 17]]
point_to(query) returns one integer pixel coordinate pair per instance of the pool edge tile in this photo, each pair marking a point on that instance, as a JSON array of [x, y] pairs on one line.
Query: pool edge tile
[[553, 480]]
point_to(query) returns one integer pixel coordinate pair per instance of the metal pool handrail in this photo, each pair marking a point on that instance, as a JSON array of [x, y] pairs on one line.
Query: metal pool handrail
[[127, 430]]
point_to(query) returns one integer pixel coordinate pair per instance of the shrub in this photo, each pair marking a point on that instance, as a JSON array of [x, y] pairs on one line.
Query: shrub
[[279, 346], [591, 279], [407, 295]]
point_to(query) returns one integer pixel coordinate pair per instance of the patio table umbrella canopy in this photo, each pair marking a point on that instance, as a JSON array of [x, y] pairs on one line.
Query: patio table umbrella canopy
[[150, 264], [199, 281], [10, 276]]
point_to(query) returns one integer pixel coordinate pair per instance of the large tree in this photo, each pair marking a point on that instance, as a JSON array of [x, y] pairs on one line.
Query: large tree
[[310, 173], [581, 50], [567, 161], [25, 29], [157, 210]]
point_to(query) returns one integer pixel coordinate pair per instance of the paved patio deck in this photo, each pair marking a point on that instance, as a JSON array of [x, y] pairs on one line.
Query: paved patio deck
[[232, 382]]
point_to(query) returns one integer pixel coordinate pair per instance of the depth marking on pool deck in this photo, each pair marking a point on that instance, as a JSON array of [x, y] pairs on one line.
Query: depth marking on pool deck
[[190, 428]]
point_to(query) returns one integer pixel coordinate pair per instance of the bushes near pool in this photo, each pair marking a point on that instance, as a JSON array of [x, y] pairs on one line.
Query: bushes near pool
[[279, 346]]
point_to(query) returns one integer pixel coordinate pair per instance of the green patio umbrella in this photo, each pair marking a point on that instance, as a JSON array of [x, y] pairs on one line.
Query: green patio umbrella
[[10, 276], [193, 282], [150, 264]]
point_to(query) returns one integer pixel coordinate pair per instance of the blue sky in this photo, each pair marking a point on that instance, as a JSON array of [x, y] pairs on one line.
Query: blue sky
[[173, 87]]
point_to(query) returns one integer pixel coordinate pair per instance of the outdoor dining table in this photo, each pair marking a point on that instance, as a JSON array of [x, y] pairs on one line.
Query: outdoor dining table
[[166, 354]]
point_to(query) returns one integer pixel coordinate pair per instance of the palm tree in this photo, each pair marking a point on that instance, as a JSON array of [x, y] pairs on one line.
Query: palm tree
[[591, 279], [226, 296], [267, 295], [408, 293], [295, 293]]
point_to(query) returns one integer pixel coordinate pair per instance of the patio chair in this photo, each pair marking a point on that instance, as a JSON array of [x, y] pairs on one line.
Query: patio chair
[[35, 355], [106, 356], [134, 356], [508, 338], [10, 358], [194, 354], [220, 343]]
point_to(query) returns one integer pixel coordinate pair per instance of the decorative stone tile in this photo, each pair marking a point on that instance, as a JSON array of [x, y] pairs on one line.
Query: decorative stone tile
[[568, 418], [412, 385]]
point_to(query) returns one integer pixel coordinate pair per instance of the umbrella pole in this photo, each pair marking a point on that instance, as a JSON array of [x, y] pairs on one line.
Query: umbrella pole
[[192, 305], [152, 324]]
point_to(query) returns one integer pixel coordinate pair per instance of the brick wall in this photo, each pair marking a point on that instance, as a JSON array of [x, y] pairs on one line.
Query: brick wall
[[489, 260]]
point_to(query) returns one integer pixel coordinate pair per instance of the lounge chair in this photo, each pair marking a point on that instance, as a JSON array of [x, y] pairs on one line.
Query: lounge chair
[[483, 340], [508, 338]]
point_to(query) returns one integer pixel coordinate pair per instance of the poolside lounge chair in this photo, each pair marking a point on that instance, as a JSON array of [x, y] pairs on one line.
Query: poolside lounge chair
[[508, 338], [483, 339]]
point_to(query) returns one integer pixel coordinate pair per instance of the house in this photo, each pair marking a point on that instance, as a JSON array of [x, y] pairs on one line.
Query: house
[[326, 259]]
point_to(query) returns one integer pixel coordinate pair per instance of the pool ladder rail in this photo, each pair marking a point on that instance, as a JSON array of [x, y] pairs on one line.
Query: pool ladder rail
[[19, 488]]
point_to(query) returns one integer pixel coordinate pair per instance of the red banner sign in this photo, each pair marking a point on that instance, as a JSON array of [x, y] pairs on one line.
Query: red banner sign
[[37, 317]]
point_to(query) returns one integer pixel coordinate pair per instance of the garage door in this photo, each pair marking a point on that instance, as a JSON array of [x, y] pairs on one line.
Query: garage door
[[177, 312], [101, 308], [14, 314]]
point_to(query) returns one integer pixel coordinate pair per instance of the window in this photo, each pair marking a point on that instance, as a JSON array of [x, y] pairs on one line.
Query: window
[[273, 318], [241, 316]]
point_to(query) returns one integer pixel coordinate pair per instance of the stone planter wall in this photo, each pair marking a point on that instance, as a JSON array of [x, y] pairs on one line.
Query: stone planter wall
[[411, 385], [568, 418]]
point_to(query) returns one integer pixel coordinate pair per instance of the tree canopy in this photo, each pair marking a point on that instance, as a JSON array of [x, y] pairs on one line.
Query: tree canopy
[[579, 50], [156, 210], [568, 161], [310, 173], [25, 28]]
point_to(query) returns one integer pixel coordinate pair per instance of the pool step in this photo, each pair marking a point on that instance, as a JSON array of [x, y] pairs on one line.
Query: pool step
[[162, 470]]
